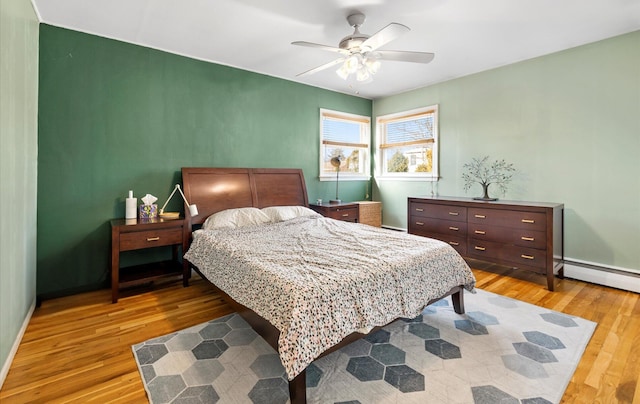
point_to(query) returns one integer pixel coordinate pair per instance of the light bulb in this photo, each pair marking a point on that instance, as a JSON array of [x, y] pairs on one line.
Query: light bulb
[[372, 64], [352, 63], [342, 72], [363, 74]]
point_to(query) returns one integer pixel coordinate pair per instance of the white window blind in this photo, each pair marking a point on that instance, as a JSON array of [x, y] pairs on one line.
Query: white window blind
[[407, 144], [347, 136]]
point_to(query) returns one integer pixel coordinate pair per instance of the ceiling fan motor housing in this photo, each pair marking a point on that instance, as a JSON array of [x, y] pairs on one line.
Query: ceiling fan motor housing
[[352, 42]]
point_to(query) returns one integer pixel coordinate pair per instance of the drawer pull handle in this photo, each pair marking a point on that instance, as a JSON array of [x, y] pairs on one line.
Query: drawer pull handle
[[419, 224], [345, 215], [528, 221], [527, 238], [479, 248], [153, 238], [454, 213], [528, 257], [480, 216], [419, 210], [453, 243], [480, 232], [453, 228]]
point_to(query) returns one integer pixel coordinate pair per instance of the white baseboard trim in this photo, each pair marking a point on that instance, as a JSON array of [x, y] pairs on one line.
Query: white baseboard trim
[[612, 277], [394, 228], [7, 364]]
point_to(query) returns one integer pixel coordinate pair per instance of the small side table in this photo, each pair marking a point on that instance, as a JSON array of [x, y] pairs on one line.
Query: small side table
[[138, 234], [370, 212], [345, 211]]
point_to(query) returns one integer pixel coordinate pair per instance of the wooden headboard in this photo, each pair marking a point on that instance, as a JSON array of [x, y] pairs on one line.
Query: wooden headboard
[[216, 189]]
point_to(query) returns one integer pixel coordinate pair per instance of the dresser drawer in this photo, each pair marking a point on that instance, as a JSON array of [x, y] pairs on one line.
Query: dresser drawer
[[345, 214], [457, 242], [508, 218], [508, 235], [437, 211], [150, 238], [488, 251], [432, 225]]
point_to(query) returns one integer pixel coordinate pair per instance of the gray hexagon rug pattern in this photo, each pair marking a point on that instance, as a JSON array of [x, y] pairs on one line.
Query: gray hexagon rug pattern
[[501, 351]]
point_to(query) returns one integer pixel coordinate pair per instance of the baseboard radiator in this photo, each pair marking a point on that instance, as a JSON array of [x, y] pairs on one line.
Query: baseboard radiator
[[619, 278]]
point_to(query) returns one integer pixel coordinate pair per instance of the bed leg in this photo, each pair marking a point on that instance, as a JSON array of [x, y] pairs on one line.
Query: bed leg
[[298, 388], [458, 301]]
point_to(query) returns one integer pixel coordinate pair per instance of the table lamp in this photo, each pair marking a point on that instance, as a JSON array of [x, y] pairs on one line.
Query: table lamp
[[193, 209]]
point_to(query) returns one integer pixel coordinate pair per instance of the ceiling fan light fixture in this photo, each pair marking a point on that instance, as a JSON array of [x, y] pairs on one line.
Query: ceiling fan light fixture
[[372, 63], [353, 63], [363, 74], [342, 72]]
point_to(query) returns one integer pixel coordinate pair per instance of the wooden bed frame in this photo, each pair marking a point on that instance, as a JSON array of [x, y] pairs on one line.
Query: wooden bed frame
[[217, 189]]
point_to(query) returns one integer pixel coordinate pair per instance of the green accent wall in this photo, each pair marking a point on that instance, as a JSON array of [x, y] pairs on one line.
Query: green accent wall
[[115, 116], [18, 165], [570, 123]]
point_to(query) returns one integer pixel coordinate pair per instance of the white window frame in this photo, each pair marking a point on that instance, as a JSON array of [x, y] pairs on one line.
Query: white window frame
[[364, 146], [382, 145]]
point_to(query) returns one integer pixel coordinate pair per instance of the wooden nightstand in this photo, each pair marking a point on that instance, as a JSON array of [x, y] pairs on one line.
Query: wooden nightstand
[[345, 211], [138, 234]]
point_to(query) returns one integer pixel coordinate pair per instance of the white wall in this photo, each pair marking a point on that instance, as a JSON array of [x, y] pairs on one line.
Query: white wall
[[18, 172]]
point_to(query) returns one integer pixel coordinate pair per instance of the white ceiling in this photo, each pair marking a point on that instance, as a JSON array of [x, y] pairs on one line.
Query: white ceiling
[[467, 36]]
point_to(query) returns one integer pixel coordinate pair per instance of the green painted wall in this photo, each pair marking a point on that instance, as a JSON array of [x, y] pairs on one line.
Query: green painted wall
[[115, 116], [18, 165], [570, 122]]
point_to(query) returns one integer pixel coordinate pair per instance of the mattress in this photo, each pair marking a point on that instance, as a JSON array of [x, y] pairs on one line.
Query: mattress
[[318, 280]]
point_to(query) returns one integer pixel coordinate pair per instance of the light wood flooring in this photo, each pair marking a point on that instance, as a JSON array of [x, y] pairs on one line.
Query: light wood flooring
[[77, 349]]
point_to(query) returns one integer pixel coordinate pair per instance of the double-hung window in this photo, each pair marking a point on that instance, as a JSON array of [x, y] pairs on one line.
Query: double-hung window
[[408, 144], [347, 137]]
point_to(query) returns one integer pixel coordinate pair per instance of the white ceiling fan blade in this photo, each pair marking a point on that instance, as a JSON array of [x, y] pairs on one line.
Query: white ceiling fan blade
[[385, 35], [406, 56], [319, 46], [320, 68]]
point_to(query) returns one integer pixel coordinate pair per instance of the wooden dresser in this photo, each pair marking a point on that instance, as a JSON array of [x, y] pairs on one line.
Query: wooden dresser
[[525, 235]]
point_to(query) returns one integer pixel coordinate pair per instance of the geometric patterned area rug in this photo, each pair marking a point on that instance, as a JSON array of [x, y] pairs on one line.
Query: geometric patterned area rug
[[501, 351]]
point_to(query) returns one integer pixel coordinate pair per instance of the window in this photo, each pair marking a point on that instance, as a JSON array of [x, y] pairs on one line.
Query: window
[[408, 144], [348, 137]]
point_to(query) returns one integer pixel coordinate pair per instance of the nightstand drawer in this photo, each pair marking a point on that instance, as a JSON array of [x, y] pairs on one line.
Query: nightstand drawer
[[151, 238], [346, 214]]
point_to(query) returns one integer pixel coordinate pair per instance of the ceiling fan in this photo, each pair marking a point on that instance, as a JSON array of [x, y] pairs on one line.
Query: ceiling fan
[[360, 54]]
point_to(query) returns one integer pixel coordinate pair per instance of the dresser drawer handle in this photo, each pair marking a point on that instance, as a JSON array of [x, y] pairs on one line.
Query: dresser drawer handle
[[479, 248], [419, 224], [454, 213], [419, 210], [480, 216], [528, 221], [528, 257], [453, 243], [453, 228], [153, 238], [345, 215], [527, 238], [480, 232]]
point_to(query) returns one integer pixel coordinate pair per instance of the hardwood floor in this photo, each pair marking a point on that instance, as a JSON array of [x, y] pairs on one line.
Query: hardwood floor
[[77, 349]]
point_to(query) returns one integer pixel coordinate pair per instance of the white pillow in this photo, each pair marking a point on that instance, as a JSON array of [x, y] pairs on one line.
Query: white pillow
[[282, 213], [239, 217]]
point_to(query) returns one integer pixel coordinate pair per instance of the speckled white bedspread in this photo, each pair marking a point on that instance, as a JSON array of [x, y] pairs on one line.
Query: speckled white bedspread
[[318, 280]]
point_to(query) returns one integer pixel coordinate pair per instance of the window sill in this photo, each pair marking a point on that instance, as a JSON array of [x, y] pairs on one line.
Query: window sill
[[345, 178], [406, 178]]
